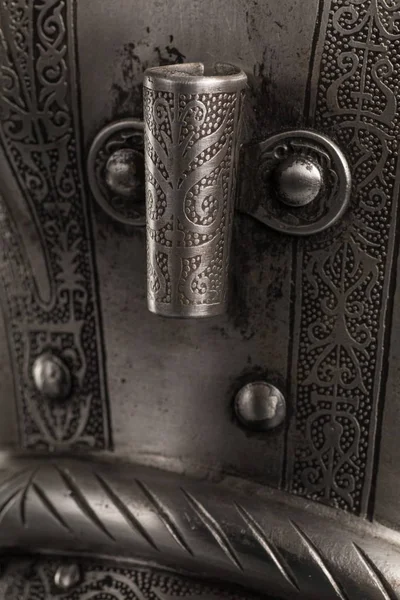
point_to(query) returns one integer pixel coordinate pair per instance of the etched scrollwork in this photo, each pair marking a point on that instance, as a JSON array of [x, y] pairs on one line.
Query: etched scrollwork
[[343, 280], [34, 580], [39, 134], [191, 150]]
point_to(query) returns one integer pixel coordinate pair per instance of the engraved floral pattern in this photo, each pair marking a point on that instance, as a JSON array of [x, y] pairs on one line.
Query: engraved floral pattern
[[190, 207], [342, 280], [34, 581], [38, 131]]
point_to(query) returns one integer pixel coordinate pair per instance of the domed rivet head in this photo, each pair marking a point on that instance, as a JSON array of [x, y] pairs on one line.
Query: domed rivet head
[[124, 172], [67, 577], [260, 406], [51, 377], [297, 181], [115, 169]]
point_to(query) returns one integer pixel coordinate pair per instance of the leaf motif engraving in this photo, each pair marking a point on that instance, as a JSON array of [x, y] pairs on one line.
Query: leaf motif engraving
[[342, 279]]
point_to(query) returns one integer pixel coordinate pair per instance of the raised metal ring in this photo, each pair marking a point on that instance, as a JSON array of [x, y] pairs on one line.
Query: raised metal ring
[[327, 199], [126, 134]]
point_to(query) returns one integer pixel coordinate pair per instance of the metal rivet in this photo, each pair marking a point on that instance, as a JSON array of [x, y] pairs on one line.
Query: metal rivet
[[67, 576], [51, 377], [115, 168], [124, 172], [298, 181], [260, 406]]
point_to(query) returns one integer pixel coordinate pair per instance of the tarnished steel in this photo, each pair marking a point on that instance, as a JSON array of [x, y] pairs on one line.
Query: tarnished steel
[[278, 417]]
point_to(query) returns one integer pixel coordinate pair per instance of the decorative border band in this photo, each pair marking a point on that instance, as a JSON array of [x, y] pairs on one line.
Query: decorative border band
[[343, 277], [40, 135], [34, 579]]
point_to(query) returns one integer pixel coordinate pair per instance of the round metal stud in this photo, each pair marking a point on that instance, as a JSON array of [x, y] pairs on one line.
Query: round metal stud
[[124, 172], [260, 406], [116, 171], [298, 181], [295, 182], [67, 577], [51, 377]]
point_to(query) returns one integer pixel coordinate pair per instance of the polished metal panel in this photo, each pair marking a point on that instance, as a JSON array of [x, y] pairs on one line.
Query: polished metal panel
[[49, 294], [192, 134]]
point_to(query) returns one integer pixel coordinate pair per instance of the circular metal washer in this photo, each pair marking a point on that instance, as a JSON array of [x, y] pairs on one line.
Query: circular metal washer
[[333, 197], [123, 134]]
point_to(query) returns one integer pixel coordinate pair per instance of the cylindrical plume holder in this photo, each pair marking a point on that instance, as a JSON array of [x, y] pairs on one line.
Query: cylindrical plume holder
[[192, 127]]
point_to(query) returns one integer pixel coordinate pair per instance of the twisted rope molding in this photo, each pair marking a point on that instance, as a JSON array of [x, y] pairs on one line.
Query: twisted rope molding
[[264, 540]]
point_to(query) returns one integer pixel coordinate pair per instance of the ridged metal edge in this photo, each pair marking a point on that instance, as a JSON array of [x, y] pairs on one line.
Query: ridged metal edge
[[264, 540]]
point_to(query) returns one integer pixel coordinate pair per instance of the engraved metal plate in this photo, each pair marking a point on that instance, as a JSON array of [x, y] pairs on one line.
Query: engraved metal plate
[[50, 300], [343, 282], [309, 509]]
